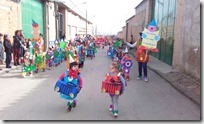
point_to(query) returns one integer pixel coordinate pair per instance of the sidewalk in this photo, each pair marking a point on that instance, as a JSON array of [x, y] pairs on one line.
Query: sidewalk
[[6, 70], [183, 83]]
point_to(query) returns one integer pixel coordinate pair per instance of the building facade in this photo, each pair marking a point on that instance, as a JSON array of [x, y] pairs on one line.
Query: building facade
[[62, 20], [179, 26], [187, 51], [136, 23], [10, 18]]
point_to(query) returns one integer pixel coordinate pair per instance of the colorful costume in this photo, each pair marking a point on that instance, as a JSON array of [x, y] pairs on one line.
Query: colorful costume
[[40, 62], [90, 51], [29, 57], [69, 85], [115, 86], [49, 58], [126, 63], [81, 55], [111, 52]]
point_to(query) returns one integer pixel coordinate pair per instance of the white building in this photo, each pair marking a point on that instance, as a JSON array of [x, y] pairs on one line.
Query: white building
[[63, 20]]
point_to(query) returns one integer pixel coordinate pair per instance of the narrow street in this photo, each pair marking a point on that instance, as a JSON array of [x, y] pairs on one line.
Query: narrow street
[[34, 98]]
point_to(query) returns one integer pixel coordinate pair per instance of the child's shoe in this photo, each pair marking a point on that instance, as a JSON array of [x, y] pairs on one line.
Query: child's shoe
[[145, 79], [36, 71], [31, 75], [24, 74], [115, 113], [139, 78], [74, 104], [69, 104], [111, 108], [128, 78], [69, 108]]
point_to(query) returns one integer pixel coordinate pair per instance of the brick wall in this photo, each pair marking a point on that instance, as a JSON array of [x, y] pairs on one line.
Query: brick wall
[[186, 56], [136, 25], [10, 13]]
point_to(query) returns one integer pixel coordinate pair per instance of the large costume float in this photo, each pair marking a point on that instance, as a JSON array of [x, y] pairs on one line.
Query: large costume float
[[40, 59]]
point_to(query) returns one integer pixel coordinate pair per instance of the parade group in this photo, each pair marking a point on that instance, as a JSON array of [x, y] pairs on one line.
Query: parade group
[[29, 53]]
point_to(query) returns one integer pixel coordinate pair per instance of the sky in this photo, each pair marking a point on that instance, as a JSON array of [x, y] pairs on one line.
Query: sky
[[109, 16]]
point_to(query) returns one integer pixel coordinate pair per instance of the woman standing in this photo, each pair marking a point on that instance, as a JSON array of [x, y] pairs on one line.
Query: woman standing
[[16, 47]]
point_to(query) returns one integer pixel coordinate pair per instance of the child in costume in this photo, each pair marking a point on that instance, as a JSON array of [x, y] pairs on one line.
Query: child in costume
[[119, 53], [90, 51], [49, 58], [56, 54], [142, 57], [80, 53], [114, 84], [40, 61], [116, 61], [72, 81], [83, 55], [126, 64], [29, 57]]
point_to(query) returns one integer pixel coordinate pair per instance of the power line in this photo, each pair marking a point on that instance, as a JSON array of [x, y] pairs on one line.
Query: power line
[[77, 7]]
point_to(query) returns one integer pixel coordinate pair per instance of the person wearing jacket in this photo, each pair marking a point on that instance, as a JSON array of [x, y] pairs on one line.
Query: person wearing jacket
[[16, 47], [1, 50], [8, 50]]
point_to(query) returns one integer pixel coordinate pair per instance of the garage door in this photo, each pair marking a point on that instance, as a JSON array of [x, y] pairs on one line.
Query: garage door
[[32, 10]]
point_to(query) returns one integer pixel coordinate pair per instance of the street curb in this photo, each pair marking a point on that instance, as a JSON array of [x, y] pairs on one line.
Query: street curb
[[171, 83], [4, 71]]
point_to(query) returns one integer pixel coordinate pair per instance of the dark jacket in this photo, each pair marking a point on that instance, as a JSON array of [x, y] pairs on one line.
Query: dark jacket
[[16, 42], [8, 46]]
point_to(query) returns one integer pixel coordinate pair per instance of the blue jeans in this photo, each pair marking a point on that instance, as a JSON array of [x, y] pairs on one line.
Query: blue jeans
[[142, 65]]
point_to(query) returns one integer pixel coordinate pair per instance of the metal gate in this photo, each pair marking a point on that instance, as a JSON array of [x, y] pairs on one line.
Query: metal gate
[[164, 14]]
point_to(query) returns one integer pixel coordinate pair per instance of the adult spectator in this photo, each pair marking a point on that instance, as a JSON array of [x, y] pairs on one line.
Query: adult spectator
[[16, 47], [1, 50], [8, 50]]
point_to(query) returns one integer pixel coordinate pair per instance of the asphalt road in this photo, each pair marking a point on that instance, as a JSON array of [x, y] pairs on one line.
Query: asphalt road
[[35, 99]]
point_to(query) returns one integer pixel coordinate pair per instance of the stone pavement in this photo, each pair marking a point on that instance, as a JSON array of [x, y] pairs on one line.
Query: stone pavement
[[183, 83]]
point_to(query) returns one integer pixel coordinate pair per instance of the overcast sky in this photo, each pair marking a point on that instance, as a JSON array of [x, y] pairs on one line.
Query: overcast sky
[[108, 15]]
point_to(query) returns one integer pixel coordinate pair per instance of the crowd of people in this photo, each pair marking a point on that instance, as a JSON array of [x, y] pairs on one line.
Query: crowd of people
[[30, 54]]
